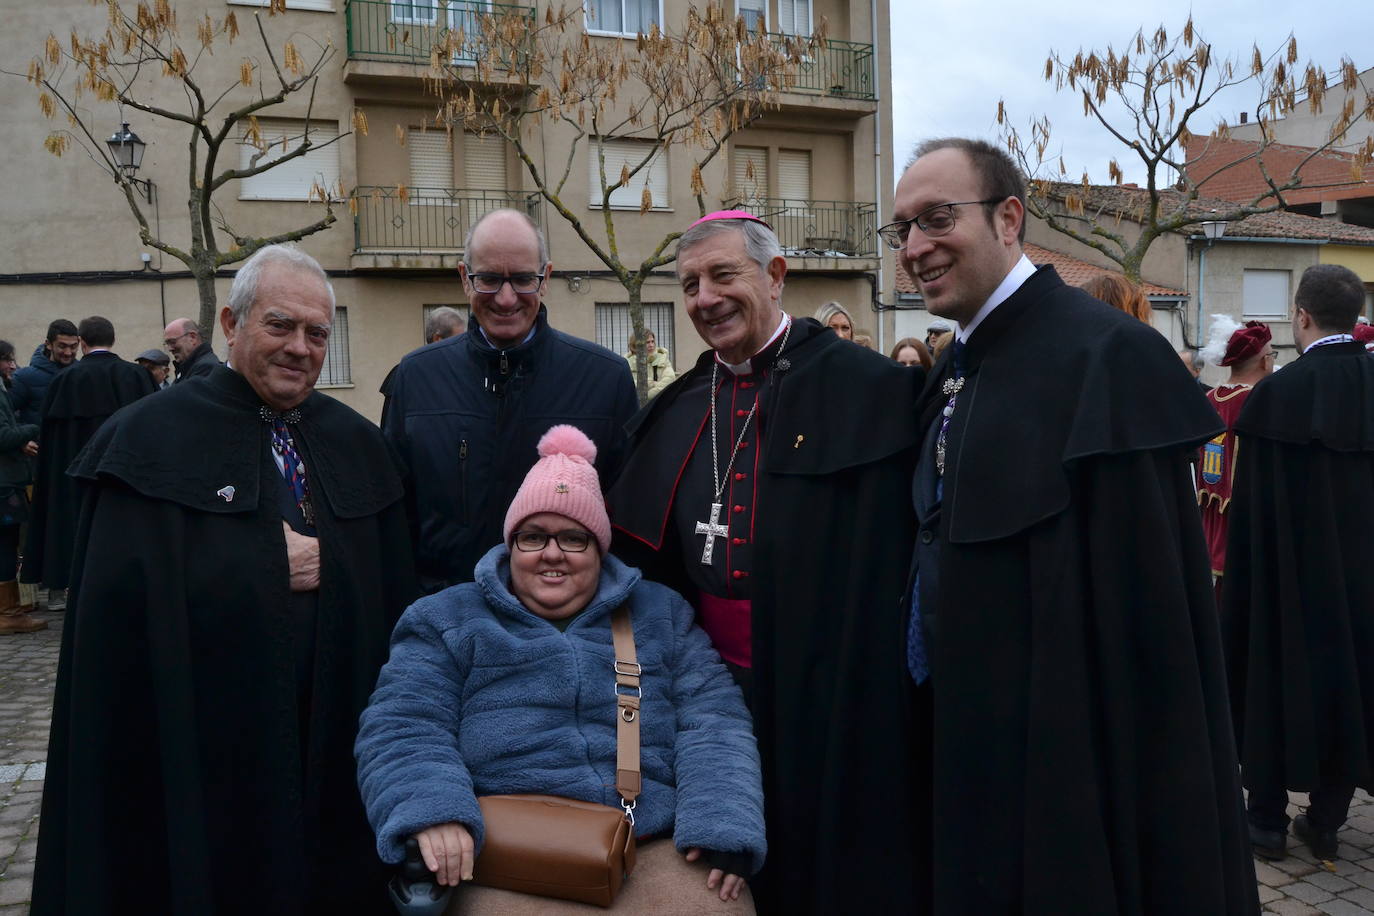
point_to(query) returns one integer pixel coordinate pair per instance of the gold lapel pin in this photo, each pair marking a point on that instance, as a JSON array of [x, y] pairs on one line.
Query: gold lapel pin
[[799, 441]]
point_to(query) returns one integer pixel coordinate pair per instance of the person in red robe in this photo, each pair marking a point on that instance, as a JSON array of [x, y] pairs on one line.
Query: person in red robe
[[1249, 352]]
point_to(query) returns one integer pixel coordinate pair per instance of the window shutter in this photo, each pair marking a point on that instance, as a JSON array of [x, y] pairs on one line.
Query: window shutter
[[794, 174], [794, 17], [325, 5], [484, 162], [431, 159], [620, 153], [292, 179], [337, 368], [751, 172]]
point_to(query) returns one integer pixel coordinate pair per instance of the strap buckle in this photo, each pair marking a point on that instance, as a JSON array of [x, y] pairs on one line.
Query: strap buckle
[[629, 807]]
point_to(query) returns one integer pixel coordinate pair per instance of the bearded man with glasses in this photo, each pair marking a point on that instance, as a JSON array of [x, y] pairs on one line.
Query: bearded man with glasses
[[466, 413], [1060, 610]]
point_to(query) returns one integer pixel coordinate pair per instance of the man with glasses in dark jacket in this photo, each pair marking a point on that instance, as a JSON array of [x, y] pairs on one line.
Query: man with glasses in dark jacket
[[466, 413]]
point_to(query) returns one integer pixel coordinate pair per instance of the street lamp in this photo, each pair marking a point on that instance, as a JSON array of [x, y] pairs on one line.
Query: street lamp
[[126, 149], [1212, 230]]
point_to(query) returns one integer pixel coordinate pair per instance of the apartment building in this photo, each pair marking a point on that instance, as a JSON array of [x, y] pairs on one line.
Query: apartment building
[[816, 166]]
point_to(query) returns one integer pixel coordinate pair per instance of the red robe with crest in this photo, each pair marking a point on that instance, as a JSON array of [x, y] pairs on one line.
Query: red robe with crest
[[1216, 471]]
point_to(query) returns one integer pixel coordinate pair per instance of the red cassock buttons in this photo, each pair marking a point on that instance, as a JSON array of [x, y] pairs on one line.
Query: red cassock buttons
[[739, 574], [738, 541], [739, 509], [741, 413], [739, 475]]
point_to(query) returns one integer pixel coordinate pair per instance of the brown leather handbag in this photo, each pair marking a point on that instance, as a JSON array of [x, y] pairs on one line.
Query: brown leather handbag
[[561, 847]]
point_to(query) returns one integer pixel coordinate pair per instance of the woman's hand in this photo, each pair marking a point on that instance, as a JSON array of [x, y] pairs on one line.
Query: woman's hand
[[447, 851], [730, 885]]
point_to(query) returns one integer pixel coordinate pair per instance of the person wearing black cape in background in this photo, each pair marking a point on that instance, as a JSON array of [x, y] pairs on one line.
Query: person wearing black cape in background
[[1298, 597], [78, 403], [235, 587], [1062, 609]]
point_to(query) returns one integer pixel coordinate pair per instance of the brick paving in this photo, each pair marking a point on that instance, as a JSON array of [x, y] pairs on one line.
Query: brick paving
[[1297, 886]]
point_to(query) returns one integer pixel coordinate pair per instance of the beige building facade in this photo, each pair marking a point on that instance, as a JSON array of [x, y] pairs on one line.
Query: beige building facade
[[815, 166]]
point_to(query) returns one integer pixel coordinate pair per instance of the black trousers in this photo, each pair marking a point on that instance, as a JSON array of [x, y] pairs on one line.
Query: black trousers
[[9, 550], [1326, 811]]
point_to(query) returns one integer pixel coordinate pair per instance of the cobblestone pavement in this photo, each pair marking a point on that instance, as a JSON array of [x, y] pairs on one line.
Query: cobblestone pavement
[[1296, 886], [28, 668]]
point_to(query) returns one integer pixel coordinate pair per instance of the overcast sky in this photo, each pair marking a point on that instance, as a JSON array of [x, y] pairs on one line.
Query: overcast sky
[[953, 60]]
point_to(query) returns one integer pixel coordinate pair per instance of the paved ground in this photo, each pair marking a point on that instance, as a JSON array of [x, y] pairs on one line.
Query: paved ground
[[1297, 886]]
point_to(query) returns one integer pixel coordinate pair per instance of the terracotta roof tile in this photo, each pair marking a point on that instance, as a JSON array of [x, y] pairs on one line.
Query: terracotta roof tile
[[1114, 200]]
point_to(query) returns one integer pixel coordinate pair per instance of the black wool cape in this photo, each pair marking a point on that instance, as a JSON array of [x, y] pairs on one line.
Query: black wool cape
[[78, 403], [840, 732], [1298, 597], [178, 778], [1084, 761]]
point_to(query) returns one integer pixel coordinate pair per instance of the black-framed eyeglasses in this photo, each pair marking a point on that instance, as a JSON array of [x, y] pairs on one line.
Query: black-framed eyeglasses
[[571, 540], [492, 283], [172, 340], [933, 221]]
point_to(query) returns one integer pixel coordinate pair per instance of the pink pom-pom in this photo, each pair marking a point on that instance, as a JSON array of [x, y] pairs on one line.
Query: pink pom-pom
[[567, 440]]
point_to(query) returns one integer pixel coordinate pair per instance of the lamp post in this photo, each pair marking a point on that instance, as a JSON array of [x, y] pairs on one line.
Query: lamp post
[[1212, 230], [126, 149]]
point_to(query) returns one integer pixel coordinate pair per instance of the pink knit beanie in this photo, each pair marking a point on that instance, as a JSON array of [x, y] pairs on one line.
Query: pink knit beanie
[[564, 481]]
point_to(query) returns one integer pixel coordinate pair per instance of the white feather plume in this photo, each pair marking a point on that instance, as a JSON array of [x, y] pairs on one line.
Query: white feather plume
[[1218, 337]]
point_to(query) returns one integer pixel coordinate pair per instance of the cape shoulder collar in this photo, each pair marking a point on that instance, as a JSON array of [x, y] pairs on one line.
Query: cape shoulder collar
[[342, 451]]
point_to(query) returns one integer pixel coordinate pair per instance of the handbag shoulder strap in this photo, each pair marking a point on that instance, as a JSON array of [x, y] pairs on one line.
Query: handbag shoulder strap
[[627, 695]]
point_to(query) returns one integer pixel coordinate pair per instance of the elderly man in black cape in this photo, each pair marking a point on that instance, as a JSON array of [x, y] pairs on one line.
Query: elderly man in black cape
[[1298, 598], [235, 587], [1062, 609], [770, 485], [77, 404]]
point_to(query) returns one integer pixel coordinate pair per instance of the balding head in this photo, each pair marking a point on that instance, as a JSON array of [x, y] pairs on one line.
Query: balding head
[[504, 270], [181, 337]]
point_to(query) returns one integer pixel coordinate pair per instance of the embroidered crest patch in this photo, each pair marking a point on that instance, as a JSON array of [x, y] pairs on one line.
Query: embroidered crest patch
[[1213, 459]]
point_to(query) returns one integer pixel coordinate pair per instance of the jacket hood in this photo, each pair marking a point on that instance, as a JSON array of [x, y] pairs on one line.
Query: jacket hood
[[43, 363], [492, 576]]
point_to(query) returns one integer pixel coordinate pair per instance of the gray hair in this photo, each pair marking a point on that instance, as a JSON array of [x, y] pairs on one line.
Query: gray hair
[[445, 319], [830, 310], [244, 290], [524, 217], [759, 241]]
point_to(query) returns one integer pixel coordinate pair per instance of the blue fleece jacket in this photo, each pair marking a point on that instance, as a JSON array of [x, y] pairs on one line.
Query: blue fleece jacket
[[482, 697], [30, 385]]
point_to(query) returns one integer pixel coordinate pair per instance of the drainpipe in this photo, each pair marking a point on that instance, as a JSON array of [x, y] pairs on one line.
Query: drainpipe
[[877, 163]]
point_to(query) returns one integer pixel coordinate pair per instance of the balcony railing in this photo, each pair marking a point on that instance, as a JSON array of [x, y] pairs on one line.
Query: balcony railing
[[406, 31], [819, 228], [839, 68], [426, 220]]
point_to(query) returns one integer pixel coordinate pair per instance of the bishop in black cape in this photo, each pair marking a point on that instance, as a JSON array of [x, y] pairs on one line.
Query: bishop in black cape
[[194, 767], [77, 403], [1084, 760], [1298, 604], [841, 732]]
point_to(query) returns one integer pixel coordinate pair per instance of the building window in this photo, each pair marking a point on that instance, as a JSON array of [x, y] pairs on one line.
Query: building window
[[754, 13], [338, 368], [613, 325], [326, 6], [1264, 293], [428, 310], [794, 17], [414, 12], [292, 179], [622, 17], [628, 153], [751, 172]]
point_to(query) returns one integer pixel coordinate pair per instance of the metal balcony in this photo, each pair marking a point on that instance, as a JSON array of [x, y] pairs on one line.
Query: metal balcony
[[406, 31], [819, 228], [843, 69], [425, 220]]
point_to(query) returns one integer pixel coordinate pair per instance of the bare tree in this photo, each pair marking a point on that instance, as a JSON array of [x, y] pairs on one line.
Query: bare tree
[[1149, 97], [141, 62], [689, 89]]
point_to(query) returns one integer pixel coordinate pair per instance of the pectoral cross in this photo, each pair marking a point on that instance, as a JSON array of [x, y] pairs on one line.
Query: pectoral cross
[[712, 529]]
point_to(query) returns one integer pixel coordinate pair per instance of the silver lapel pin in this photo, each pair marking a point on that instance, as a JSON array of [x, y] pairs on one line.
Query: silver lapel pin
[[226, 493]]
